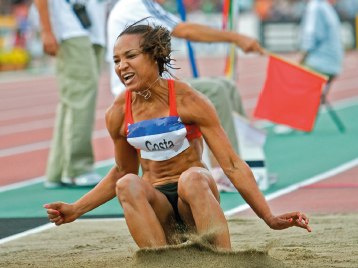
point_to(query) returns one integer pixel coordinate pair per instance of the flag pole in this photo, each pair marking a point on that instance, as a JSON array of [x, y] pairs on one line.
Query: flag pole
[[230, 21], [181, 9], [234, 21]]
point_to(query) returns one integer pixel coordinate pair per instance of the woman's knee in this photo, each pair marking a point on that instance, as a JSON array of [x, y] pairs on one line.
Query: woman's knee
[[193, 182], [129, 186]]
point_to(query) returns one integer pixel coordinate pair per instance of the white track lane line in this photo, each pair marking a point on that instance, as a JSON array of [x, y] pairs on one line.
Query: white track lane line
[[291, 188], [49, 226], [42, 145], [26, 183], [28, 232], [38, 124]]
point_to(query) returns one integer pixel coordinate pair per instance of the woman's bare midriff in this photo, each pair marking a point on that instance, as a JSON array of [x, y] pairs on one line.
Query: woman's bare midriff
[[163, 172]]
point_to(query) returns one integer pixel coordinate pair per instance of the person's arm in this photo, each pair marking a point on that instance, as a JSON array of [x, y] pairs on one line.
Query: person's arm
[[313, 30], [198, 109], [60, 212], [127, 161], [202, 33], [48, 38]]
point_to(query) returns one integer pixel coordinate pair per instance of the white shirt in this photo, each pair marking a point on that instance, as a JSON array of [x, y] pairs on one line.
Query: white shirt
[[66, 25], [125, 13]]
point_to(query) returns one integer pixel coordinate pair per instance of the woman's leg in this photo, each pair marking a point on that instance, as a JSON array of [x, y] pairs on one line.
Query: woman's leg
[[146, 210], [199, 204]]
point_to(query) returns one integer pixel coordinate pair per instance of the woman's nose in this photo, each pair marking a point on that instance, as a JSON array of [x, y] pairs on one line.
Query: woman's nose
[[122, 65]]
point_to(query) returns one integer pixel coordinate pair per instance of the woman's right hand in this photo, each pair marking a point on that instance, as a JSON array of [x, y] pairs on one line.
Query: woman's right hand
[[60, 213]]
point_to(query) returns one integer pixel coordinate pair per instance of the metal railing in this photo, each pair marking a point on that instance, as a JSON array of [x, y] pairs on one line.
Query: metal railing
[[284, 36]]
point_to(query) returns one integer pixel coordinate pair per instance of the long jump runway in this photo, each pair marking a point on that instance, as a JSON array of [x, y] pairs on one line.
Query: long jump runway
[[317, 171]]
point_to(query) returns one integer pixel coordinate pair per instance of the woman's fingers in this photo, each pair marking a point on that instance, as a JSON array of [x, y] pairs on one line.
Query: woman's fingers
[[292, 219], [52, 213], [60, 221], [303, 222], [56, 219], [299, 216], [305, 218], [302, 225], [300, 220]]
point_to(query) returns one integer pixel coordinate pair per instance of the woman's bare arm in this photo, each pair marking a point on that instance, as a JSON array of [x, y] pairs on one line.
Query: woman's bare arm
[[126, 162], [196, 108]]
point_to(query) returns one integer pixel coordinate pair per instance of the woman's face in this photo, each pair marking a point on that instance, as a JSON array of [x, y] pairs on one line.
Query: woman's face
[[136, 70]]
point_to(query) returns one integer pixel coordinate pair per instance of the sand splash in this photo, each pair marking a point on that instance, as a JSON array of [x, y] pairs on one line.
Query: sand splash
[[198, 253]]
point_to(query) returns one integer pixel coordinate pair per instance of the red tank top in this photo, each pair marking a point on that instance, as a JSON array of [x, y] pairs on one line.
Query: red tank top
[[192, 130]]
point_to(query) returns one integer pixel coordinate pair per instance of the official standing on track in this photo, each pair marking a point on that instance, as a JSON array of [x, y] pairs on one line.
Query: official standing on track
[[74, 32]]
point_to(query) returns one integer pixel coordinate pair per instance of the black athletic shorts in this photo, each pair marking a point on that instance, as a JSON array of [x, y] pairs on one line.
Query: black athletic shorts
[[171, 192]]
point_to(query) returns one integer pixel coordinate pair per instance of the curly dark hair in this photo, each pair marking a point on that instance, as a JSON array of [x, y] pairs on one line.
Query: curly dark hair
[[155, 41]]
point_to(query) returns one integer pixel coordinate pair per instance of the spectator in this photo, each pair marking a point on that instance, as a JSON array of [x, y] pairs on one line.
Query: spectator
[[78, 49], [321, 47]]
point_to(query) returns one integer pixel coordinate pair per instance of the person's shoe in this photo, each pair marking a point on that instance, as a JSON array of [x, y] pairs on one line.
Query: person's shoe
[[53, 185], [84, 180], [222, 181]]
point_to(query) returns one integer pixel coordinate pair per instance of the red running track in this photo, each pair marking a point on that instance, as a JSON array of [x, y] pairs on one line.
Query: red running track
[[326, 196], [28, 103]]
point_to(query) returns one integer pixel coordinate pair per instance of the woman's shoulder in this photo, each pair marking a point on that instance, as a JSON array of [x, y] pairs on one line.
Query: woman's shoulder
[[190, 102], [185, 90], [118, 103], [185, 93], [115, 114]]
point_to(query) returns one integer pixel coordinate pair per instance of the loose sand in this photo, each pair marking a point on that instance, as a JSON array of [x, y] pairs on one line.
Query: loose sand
[[107, 243]]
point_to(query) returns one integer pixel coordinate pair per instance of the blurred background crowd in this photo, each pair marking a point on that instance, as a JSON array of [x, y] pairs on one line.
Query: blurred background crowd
[[21, 46]]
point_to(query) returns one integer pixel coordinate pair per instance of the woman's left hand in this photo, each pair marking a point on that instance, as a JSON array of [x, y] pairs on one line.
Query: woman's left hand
[[288, 220]]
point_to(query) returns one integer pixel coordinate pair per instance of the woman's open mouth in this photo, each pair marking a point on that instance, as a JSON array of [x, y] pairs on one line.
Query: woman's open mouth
[[128, 78]]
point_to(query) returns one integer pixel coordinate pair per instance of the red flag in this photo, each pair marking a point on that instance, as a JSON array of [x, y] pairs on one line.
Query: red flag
[[290, 96]]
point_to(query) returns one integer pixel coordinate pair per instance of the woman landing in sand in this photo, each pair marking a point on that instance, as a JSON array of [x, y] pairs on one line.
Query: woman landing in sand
[[160, 124]]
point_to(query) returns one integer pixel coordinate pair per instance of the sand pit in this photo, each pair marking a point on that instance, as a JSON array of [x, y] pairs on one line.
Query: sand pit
[[107, 243]]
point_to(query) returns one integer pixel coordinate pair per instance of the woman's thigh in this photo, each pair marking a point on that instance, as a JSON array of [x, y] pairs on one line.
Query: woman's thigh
[[193, 181], [139, 193]]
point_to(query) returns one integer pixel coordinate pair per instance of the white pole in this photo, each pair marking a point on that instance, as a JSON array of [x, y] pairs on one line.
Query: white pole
[[235, 27]]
